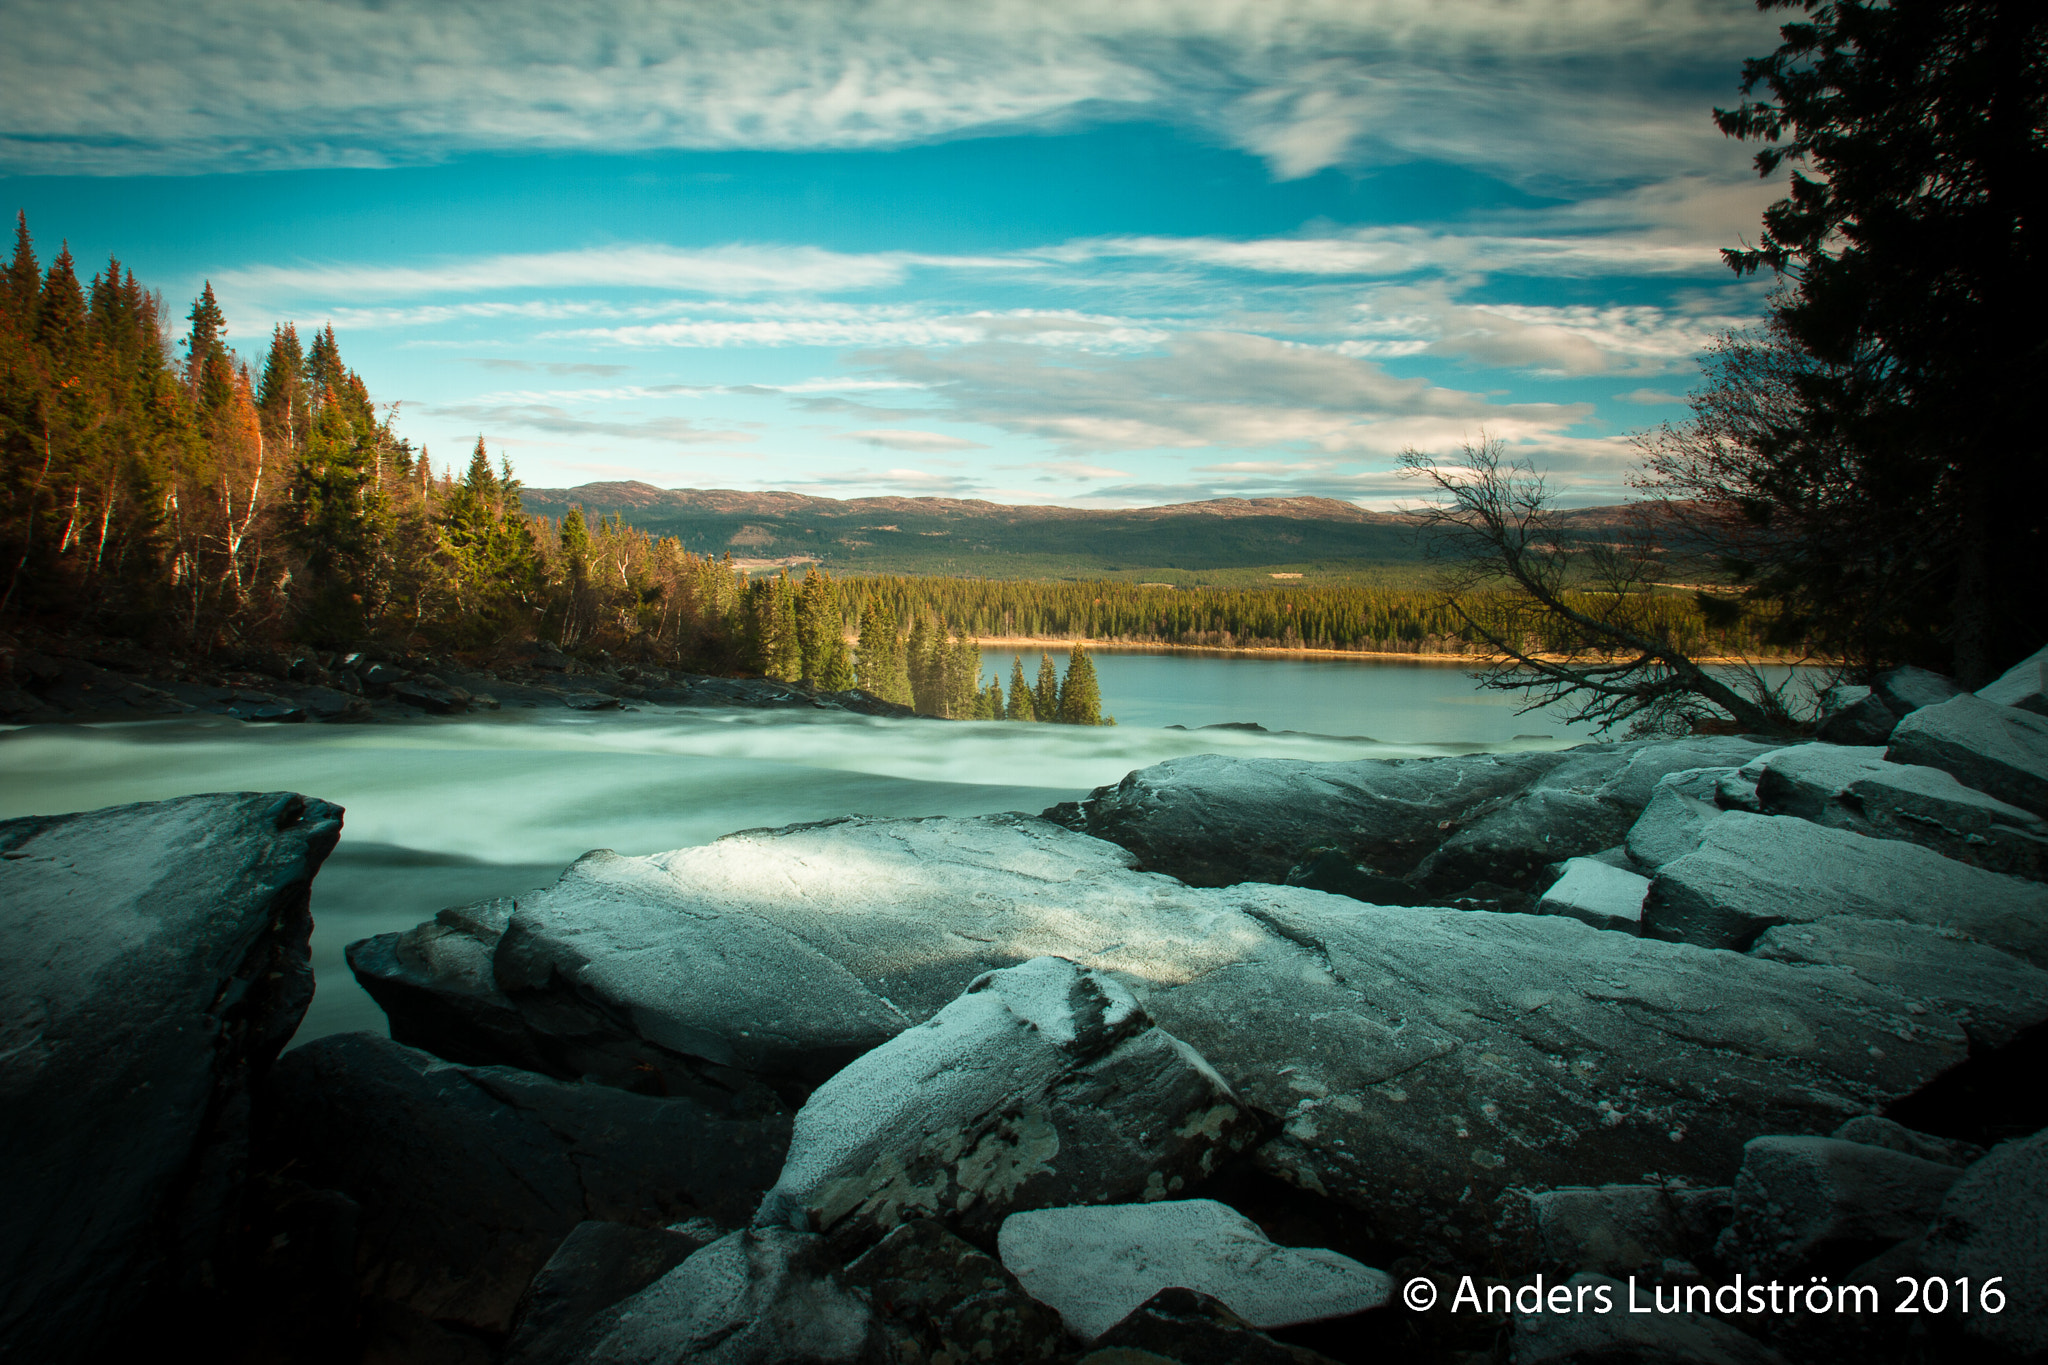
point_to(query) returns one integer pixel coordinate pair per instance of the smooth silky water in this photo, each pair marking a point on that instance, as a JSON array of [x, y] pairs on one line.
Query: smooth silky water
[[442, 812]]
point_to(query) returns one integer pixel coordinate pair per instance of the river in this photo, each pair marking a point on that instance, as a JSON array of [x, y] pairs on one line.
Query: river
[[442, 812]]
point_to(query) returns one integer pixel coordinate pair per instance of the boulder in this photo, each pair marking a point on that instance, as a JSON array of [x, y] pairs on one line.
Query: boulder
[[1993, 995], [1041, 1085], [1751, 872], [2000, 750], [1676, 816], [1851, 713], [1859, 789], [1994, 1222], [1476, 827], [1188, 1327], [1603, 1330], [1908, 689], [1599, 894], [956, 1298], [1425, 1062], [1873, 1131], [2024, 685], [765, 1296], [436, 987], [157, 961], [469, 1177], [1815, 1205], [1627, 1229], [1096, 1265], [431, 695], [597, 1265]]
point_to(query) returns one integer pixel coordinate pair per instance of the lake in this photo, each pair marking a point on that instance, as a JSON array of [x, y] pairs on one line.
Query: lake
[[442, 812]]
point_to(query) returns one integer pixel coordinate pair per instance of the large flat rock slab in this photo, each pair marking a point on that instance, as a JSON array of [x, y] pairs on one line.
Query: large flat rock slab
[[1751, 872], [2000, 750], [1423, 1061], [1480, 827], [156, 959]]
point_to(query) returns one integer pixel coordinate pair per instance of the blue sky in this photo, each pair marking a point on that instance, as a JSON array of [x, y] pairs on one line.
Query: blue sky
[[1034, 252]]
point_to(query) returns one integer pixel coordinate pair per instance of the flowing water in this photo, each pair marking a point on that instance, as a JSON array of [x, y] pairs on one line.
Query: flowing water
[[442, 812]]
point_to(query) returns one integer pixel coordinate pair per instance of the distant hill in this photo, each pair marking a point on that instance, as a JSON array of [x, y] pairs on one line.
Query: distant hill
[[1220, 541]]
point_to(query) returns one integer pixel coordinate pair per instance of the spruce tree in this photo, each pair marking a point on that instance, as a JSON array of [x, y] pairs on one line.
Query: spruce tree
[[281, 394], [991, 707], [1045, 698], [1080, 698], [24, 279], [963, 689], [1020, 705], [819, 626], [209, 370], [879, 651], [925, 660]]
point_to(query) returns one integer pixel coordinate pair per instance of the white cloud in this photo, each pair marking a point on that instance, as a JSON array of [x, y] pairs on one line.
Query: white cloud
[[914, 441], [1649, 397], [106, 85]]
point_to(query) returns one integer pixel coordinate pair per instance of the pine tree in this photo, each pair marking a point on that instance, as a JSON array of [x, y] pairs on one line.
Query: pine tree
[[963, 678], [341, 523], [878, 651], [991, 707], [61, 324], [924, 658], [819, 626], [209, 369], [281, 395], [1045, 698], [1021, 705], [24, 284], [1080, 697]]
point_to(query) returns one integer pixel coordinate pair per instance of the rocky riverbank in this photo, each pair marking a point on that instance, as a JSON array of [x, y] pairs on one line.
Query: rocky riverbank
[[1230, 1061], [55, 680]]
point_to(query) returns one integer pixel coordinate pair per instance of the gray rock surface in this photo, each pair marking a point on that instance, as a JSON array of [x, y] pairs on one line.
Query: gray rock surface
[[1994, 1221], [1908, 689], [1424, 1062], [2024, 685], [1999, 750], [1627, 1229], [1993, 995], [1853, 714], [1615, 1336], [1095, 1265], [156, 962], [1676, 816], [1599, 894], [1875, 1131], [597, 1265], [1041, 1085], [1815, 1205], [468, 1177], [1859, 789], [436, 986], [1752, 872], [765, 1296], [1412, 831], [956, 1299]]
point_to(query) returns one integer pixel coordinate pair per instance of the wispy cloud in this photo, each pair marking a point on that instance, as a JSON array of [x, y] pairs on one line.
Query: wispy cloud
[[558, 368], [103, 85], [911, 440], [559, 421]]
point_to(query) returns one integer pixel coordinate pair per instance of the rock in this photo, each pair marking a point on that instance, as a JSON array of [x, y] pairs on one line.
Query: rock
[[1999, 750], [1627, 1229], [1851, 713], [330, 704], [1994, 995], [1906, 690], [156, 962], [1599, 894], [377, 678], [1676, 816], [1041, 1085], [2024, 685], [1604, 1332], [469, 1177], [590, 701], [766, 1296], [1095, 1265], [1751, 872], [596, 1265], [1426, 1062], [1994, 1222], [956, 1298], [1815, 1205], [1446, 827], [431, 695], [1859, 789], [1191, 1328], [1873, 1131], [436, 986]]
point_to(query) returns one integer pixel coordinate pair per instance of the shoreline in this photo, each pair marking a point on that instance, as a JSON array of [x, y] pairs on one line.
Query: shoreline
[[1049, 642]]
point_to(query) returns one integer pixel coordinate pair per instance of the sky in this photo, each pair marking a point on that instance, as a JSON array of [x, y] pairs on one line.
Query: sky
[[1044, 252]]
